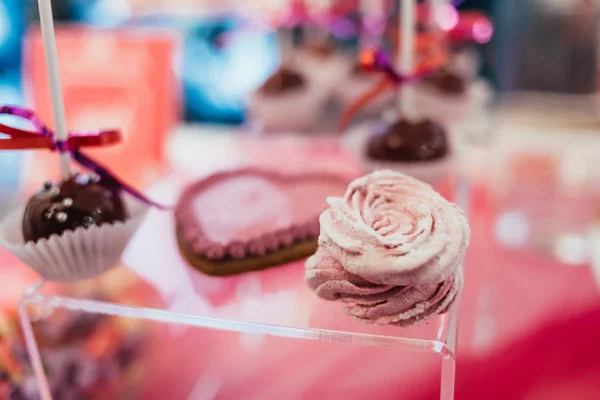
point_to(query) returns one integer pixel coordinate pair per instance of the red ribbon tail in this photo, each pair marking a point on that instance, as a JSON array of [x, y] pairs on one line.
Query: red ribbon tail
[[379, 89]]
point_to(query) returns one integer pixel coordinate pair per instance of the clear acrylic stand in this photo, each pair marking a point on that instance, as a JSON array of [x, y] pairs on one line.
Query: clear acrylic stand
[[263, 306], [274, 308], [257, 309]]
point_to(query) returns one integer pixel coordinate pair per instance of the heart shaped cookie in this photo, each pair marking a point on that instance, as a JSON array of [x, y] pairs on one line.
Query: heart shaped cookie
[[246, 220]]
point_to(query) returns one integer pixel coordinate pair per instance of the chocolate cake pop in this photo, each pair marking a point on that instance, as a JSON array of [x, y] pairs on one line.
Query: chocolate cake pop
[[80, 202], [447, 82], [321, 49], [284, 79], [407, 141], [290, 100], [76, 229]]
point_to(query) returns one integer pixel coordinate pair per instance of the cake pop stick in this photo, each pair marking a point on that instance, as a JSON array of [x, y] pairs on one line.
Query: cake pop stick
[[285, 38], [58, 107], [406, 62], [313, 33]]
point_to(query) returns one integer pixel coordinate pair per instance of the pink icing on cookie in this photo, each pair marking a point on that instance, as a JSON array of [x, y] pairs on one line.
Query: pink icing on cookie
[[236, 250], [257, 248], [252, 212], [271, 242], [390, 249], [201, 244], [286, 236], [300, 231], [215, 251]]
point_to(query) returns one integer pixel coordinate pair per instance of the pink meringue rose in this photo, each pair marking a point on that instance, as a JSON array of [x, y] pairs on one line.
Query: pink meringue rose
[[390, 249], [391, 229], [381, 304]]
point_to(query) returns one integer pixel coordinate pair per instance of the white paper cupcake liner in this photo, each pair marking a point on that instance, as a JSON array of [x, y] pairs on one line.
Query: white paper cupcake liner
[[449, 109], [427, 171], [296, 111], [74, 255]]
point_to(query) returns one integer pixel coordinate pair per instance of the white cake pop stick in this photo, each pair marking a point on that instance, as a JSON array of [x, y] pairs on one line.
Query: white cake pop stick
[[58, 107], [285, 39], [406, 53]]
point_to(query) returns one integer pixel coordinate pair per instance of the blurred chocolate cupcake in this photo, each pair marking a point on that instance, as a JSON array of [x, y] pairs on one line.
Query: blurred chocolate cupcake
[[447, 82], [453, 95], [289, 101], [322, 49], [405, 141], [284, 80], [421, 149]]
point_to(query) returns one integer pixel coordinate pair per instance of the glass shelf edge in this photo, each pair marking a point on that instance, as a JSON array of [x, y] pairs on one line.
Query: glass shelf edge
[[99, 307]]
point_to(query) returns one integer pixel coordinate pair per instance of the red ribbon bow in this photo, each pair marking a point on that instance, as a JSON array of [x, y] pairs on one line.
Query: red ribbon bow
[[44, 138]]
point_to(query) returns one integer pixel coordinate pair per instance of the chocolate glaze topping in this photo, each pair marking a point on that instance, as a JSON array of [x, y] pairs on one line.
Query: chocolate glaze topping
[[408, 141], [283, 80], [321, 49], [448, 82], [79, 202]]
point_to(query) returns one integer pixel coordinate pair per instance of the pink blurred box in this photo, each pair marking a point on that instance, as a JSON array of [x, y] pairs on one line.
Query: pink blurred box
[[111, 79]]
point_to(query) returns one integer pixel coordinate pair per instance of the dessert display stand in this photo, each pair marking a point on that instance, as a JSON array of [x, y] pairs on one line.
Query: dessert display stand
[[265, 334], [257, 311]]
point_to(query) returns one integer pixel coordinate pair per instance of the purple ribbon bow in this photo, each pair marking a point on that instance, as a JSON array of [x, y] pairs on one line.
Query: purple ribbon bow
[[43, 137]]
